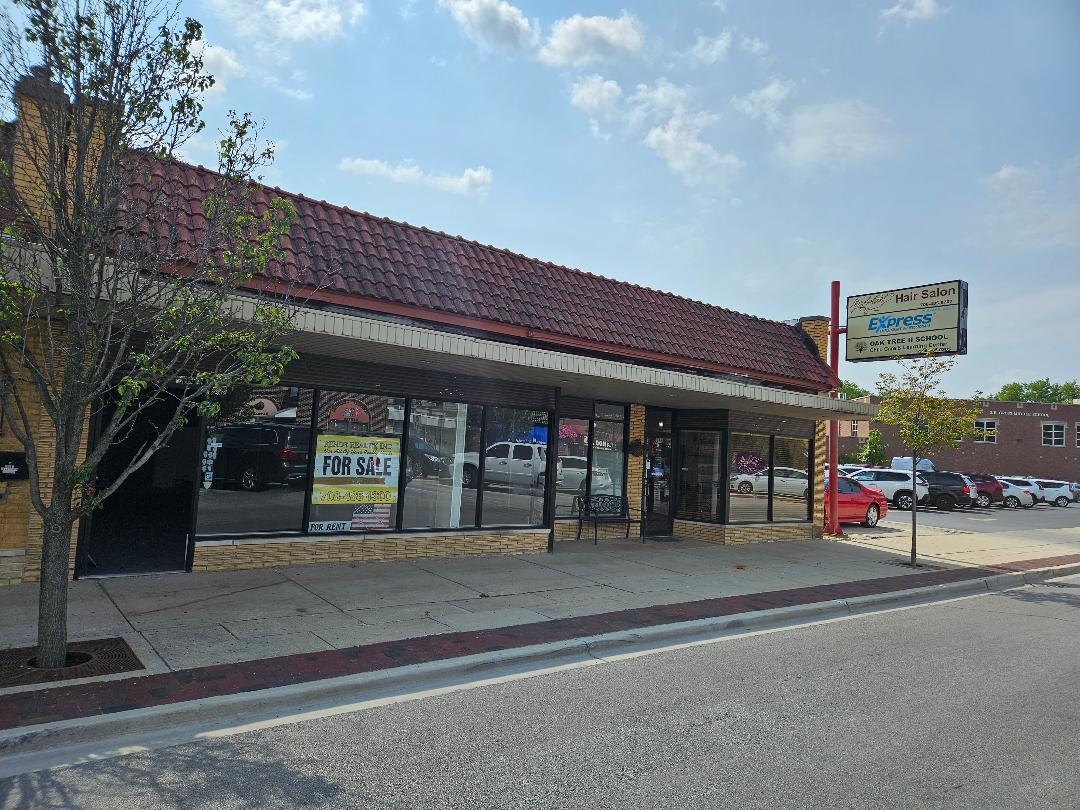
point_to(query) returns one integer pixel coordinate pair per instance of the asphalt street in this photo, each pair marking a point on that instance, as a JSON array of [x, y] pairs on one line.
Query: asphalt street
[[970, 703], [992, 519]]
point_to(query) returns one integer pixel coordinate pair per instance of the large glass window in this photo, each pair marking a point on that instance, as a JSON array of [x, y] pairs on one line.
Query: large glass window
[[701, 483], [574, 454], [515, 467], [749, 478], [357, 462], [254, 462], [443, 466], [791, 479], [609, 458], [1053, 434]]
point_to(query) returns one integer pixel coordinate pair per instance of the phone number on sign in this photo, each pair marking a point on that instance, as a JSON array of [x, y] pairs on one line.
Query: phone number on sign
[[335, 495]]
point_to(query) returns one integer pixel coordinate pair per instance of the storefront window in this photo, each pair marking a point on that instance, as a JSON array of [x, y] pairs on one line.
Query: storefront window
[[749, 485], [443, 465], [254, 463], [357, 462], [609, 458], [791, 478], [574, 453], [515, 467], [701, 486]]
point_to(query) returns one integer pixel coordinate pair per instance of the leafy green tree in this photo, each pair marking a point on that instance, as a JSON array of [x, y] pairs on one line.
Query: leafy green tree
[[104, 312], [927, 420], [852, 390], [1038, 391], [873, 450]]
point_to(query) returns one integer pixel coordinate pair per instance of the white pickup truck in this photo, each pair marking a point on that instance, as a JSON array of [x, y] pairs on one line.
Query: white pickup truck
[[509, 464]]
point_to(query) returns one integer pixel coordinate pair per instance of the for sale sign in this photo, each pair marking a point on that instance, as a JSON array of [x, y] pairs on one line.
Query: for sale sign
[[908, 322], [356, 470]]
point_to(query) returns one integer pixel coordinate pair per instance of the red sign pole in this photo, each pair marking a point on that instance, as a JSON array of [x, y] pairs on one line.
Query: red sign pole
[[832, 526]]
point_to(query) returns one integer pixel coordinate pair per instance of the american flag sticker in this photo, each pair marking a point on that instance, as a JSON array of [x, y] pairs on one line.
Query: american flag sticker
[[371, 516]]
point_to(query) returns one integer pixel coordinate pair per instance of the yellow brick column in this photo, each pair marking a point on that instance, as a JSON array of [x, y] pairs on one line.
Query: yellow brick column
[[817, 328], [635, 468]]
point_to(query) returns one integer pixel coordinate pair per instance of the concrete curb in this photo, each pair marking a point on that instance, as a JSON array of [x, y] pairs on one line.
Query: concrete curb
[[82, 739]]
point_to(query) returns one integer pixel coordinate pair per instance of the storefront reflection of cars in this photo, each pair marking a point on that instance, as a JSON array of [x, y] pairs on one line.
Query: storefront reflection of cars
[[786, 481], [575, 474], [509, 464], [255, 455]]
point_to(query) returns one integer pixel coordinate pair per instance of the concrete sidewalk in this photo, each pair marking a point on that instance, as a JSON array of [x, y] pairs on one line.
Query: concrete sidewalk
[[179, 621]]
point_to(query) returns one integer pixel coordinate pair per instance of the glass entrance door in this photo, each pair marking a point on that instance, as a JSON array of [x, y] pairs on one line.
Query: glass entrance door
[[658, 507]]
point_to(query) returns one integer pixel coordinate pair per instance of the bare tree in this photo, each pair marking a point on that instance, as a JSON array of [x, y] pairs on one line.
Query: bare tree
[[114, 293]]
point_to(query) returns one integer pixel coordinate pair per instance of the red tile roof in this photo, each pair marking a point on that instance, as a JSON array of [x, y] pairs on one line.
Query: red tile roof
[[371, 263]]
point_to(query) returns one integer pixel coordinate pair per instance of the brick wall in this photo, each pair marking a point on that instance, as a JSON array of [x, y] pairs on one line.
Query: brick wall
[[228, 555], [817, 328], [758, 533]]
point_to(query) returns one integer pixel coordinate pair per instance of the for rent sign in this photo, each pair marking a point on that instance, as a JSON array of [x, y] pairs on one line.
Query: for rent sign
[[908, 322], [356, 470]]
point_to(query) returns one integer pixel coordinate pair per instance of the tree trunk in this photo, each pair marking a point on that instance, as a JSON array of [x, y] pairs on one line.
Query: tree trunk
[[53, 593]]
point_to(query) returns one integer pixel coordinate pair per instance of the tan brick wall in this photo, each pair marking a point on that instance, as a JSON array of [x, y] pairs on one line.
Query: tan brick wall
[[235, 554], [817, 327], [567, 530], [11, 568], [759, 533], [635, 468]]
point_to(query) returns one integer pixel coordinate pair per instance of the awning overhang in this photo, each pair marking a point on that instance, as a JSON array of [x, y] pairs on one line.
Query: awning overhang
[[377, 340]]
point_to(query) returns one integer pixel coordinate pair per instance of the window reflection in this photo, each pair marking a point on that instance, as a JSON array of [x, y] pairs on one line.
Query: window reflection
[[254, 462], [515, 467], [791, 479], [444, 465], [749, 488], [701, 495]]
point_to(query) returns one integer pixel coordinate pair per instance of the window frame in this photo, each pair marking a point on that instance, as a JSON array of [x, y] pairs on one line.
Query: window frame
[[1052, 424], [985, 434], [811, 481], [592, 419]]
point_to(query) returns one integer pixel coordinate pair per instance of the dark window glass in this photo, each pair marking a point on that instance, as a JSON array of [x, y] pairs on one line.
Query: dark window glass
[[254, 463], [443, 465], [615, 413], [514, 481], [609, 458], [574, 453], [749, 486], [701, 493], [357, 462], [791, 493], [849, 487]]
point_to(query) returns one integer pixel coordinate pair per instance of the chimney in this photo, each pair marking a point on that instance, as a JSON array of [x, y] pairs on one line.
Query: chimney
[[37, 102]]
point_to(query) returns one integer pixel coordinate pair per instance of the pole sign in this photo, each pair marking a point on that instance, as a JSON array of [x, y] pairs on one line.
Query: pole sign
[[908, 322]]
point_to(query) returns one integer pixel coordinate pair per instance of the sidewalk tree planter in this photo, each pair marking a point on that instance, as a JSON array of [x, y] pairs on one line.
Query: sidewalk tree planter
[[927, 419], [103, 310]]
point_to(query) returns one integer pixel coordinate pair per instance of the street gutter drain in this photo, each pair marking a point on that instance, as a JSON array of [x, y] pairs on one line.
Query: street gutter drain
[[85, 659]]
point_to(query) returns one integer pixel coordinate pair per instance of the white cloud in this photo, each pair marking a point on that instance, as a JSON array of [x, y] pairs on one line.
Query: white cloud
[[221, 63], [476, 181], [294, 91], [911, 12], [765, 102], [754, 46], [579, 41], [710, 50], [1033, 208], [494, 24], [678, 141], [274, 21], [835, 134], [595, 93]]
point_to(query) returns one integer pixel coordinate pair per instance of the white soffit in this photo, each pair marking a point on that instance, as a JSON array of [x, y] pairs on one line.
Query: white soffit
[[381, 341]]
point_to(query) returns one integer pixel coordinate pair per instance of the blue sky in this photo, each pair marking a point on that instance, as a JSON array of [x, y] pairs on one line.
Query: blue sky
[[744, 153]]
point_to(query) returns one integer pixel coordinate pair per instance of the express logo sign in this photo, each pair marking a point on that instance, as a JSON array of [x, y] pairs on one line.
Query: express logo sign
[[885, 324]]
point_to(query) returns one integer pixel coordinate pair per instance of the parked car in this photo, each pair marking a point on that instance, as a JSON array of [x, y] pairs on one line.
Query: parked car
[[1075, 485], [948, 490], [987, 488], [1025, 482], [973, 493], [895, 484], [849, 469], [1059, 493], [858, 503], [904, 463], [1014, 496], [786, 481], [424, 459], [254, 455], [510, 464], [574, 476]]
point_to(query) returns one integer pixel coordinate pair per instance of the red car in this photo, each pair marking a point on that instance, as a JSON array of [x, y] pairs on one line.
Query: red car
[[857, 503], [988, 489]]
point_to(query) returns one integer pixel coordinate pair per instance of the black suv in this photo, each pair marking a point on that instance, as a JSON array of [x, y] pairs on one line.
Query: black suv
[[948, 490], [253, 455]]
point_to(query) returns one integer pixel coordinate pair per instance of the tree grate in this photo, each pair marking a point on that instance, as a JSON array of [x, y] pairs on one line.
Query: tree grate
[[86, 659]]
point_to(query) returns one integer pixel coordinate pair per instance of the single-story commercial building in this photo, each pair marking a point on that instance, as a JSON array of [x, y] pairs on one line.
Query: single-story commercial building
[[440, 380]]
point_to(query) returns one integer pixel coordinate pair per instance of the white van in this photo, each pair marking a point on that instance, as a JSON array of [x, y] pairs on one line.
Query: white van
[[904, 463]]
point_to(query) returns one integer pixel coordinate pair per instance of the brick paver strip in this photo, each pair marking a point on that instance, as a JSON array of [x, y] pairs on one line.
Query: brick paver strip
[[106, 697]]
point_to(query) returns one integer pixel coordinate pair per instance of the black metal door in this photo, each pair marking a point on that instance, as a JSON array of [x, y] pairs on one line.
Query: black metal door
[[658, 509]]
